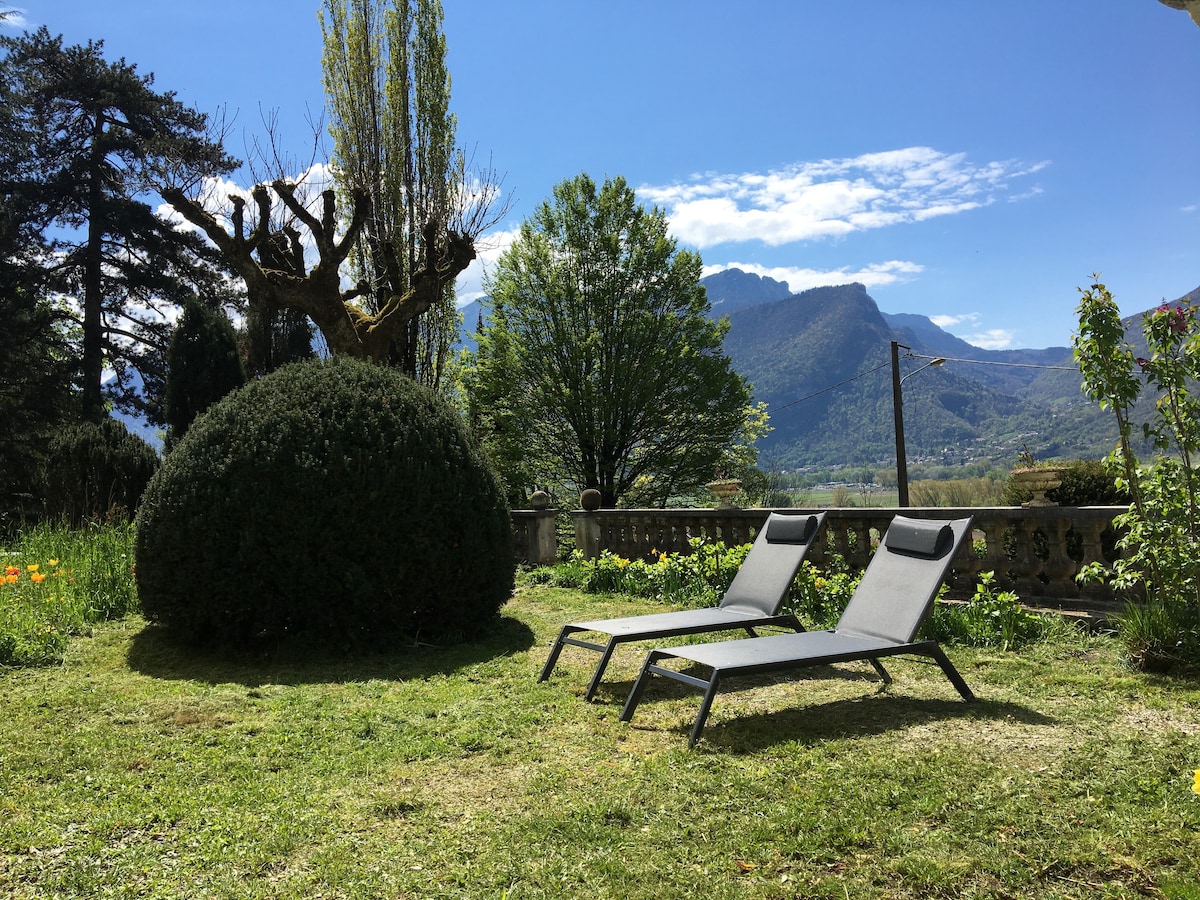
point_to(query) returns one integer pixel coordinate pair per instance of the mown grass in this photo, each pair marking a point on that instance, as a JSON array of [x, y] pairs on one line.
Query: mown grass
[[138, 769]]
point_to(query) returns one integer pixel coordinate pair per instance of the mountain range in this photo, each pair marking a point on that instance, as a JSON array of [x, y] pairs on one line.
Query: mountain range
[[821, 362]]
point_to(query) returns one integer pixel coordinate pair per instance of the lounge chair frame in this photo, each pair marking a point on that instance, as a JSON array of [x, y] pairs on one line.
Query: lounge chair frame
[[873, 627], [752, 601]]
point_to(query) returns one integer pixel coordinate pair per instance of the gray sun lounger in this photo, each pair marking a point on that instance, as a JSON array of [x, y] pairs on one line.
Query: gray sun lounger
[[753, 599], [892, 599]]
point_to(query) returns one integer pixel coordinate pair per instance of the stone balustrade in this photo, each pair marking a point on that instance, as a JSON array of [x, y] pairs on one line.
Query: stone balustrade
[[1035, 552]]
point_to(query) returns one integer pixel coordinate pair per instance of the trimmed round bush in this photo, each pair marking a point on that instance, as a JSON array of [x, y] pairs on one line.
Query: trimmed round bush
[[335, 500]]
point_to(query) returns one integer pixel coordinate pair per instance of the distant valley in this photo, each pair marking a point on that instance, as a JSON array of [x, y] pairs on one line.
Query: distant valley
[[820, 360]]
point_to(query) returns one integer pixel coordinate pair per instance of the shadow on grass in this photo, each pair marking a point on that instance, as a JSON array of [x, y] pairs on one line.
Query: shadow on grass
[[877, 711], [156, 653]]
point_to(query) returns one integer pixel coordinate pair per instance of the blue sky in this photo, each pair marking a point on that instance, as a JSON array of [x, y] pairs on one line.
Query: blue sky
[[973, 162]]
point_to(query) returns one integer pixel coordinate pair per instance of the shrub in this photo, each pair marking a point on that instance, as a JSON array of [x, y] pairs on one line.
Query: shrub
[[93, 469], [695, 579], [990, 618], [1159, 568], [1088, 482], [338, 500], [1085, 482]]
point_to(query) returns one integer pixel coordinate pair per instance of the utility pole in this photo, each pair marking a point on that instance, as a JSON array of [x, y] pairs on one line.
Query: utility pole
[[898, 417]]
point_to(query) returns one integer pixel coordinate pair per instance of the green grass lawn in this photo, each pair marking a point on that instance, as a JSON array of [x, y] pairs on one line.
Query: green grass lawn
[[137, 769]]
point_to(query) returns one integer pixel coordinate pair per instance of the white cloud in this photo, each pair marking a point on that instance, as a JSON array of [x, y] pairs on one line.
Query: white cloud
[[948, 322], [801, 279], [469, 285], [834, 197], [988, 339], [15, 18], [992, 339]]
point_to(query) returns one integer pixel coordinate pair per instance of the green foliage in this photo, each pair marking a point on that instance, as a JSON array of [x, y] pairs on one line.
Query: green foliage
[[601, 366], [1159, 564], [990, 618], [339, 501], [203, 366], [387, 90], [820, 595], [1085, 482], [98, 141], [95, 471], [1088, 482], [36, 361], [56, 583], [695, 579]]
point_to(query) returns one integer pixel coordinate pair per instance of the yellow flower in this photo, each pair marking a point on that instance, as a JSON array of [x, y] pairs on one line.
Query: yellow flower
[[33, 567], [11, 579], [1196, 783], [53, 562], [37, 577]]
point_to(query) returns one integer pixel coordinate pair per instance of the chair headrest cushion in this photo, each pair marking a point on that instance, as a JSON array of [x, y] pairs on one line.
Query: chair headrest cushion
[[784, 529], [919, 538]]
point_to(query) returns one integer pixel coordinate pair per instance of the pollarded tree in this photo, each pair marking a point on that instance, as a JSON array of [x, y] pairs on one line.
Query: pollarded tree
[[404, 274], [611, 363], [98, 138]]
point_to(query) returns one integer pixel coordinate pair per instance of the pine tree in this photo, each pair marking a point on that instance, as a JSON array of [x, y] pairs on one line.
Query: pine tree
[[99, 139]]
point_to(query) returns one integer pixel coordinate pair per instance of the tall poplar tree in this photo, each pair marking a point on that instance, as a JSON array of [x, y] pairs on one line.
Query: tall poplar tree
[[388, 96]]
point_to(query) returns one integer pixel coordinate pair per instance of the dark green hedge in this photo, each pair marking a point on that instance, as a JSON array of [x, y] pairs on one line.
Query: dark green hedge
[[94, 470], [336, 500]]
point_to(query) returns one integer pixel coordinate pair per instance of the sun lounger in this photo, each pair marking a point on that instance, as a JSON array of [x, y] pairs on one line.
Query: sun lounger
[[892, 599], [753, 599]]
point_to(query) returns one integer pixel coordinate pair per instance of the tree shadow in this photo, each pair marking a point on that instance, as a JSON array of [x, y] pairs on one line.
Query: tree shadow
[[157, 653]]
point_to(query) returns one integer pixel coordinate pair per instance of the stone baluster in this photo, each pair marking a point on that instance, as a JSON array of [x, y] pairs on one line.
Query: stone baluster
[[1059, 568], [1028, 565], [1091, 532]]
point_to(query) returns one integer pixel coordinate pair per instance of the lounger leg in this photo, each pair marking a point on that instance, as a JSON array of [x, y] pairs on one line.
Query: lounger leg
[[635, 695], [605, 656], [881, 671], [552, 659], [952, 673], [705, 705]]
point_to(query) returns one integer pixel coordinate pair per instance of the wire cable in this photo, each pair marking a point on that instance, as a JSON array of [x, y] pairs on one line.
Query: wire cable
[[826, 390]]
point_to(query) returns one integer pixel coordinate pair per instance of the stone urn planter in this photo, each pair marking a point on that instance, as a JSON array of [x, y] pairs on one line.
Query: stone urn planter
[[725, 490], [1037, 480]]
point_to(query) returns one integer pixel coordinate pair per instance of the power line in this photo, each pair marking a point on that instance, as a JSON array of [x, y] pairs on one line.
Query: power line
[[979, 362], [828, 389], [986, 362]]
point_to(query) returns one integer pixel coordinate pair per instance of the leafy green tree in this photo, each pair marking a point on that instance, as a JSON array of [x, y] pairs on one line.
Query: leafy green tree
[[98, 140], [601, 358], [203, 366], [1159, 566], [36, 361]]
